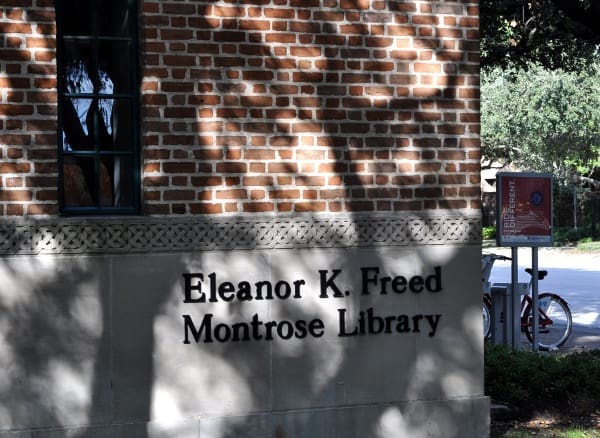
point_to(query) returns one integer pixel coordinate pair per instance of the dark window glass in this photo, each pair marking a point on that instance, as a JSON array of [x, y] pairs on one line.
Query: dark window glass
[[98, 117]]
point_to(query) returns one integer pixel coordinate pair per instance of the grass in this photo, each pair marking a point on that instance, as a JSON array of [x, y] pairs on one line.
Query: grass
[[562, 236], [588, 246], [569, 432]]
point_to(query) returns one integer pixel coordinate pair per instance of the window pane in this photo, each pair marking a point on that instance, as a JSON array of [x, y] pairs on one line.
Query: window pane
[[78, 181], [77, 67], [113, 18], [111, 186], [116, 182], [114, 59], [98, 92], [107, 183], [118, 126], [76, 17], [77, 123]]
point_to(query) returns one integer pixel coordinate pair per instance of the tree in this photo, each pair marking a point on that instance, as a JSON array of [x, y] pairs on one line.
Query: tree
[[541, 119], [554, 33]]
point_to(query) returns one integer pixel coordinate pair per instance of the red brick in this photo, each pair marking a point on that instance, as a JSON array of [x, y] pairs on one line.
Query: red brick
[[258, 207], [205, 208], [308, 113], [310, 207]]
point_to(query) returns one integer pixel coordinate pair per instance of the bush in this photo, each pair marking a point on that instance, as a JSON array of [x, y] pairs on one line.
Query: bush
[[533, 382], [568, 235], [488, 233]]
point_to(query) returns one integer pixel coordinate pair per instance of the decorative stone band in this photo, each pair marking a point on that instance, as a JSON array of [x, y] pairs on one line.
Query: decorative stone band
[[158, 234]]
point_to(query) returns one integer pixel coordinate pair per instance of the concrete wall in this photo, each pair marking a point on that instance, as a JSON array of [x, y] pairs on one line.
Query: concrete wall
[[94, 345]]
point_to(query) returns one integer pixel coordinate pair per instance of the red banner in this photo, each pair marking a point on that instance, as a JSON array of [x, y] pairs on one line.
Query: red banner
[[524, 209]]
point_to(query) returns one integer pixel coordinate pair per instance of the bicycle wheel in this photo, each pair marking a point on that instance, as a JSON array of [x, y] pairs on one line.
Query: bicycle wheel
[[487, 320], [555, 322]]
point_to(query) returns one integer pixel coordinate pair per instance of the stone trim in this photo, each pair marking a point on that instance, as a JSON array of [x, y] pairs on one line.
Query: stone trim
[[158, 234]]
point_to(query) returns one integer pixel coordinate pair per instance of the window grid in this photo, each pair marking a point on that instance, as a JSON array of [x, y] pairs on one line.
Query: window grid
[[98, 154]]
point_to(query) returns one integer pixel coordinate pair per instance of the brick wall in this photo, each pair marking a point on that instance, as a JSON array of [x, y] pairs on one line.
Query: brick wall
[[28, 178], [283, 106]]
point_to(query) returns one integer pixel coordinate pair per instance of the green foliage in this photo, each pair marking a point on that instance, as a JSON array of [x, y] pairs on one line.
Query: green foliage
[[588, 245], [553, 33], [566, 235], [555, 432], [541, 120], [532, 382], [488, 233]]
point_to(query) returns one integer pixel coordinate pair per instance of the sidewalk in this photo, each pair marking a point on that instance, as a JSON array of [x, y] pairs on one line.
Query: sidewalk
[[559, 257], [582, 338]]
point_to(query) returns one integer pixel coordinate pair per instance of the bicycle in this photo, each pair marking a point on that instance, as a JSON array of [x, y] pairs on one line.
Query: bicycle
[[554, 320]]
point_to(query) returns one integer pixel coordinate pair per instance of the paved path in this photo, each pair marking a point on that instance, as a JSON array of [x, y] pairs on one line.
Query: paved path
[[583, 337], [575, 276]]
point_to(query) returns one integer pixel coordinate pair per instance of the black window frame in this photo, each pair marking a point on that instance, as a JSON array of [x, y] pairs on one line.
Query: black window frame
[[97, 154]]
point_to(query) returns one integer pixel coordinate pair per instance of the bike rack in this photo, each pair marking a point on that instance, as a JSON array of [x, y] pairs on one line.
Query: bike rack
[[506, 316]]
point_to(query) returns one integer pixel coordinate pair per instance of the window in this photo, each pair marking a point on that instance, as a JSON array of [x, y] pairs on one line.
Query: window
[[98, 106]]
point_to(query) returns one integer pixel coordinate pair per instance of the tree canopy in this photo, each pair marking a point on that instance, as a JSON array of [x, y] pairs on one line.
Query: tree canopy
[[540, 84], [554, 33], [541, 119]]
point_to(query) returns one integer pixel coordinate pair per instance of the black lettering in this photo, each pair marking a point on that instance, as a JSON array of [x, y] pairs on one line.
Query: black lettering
[[259, 290], [316, 328], [255, 329], [367, 279], [205, 327], [269, 330], [384, 283], [416, 319], [283, 290], [433, 323], [227, 291], [222, 332], [343, 332], [374, 323], [241, 331], [399, 284], [416, 284], [213, 287], [403, 325], [433, 283], [301, 329], [256, 323], [297, 285], [189, 287], [388, 323], [244, 291], [285, 330], [329, 283], [361, 322]]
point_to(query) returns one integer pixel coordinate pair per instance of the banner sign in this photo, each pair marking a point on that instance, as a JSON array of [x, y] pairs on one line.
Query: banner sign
[[524, 202]]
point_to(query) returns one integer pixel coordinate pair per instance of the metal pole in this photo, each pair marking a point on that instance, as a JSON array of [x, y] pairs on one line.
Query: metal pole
[[515, 301], [534, 296], [574, 206]]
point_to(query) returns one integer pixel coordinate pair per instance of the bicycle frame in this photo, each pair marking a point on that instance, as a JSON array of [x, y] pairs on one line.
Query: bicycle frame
[[526, 301], [543, 319], [554, 315]]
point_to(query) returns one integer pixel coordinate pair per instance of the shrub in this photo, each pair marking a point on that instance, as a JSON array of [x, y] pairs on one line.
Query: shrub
[[568, 235], [533, 382], [488, 233]]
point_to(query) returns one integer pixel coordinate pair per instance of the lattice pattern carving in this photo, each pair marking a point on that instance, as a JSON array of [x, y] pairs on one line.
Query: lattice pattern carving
[[135, 235]]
